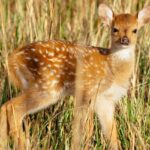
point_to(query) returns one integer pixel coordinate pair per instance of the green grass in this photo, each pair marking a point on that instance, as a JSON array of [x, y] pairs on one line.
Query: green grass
[[25, 21]]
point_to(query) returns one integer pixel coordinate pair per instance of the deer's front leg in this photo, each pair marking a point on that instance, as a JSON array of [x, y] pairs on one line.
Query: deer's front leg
[[105, 111], [82, 124]]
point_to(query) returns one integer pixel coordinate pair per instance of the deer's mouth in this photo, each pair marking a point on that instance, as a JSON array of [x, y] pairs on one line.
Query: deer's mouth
[[122, 44], [119, 45]]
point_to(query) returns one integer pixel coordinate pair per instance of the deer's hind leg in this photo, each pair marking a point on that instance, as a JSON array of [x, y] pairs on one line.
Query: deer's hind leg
[[12, 113]]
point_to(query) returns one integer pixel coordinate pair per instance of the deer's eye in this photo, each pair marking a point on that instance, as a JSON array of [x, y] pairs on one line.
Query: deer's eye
[[115, 30], [134, 31]]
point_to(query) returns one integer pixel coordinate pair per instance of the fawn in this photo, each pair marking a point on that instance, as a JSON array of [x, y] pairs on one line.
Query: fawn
[[48, 71]]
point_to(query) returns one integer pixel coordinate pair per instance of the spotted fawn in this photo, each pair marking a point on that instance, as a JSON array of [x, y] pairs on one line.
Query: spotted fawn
[[48, 71]]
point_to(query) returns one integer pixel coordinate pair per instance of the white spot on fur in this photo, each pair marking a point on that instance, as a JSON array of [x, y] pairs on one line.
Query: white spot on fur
[[46, 51], [23, 65], [44, 56], [45, 45], [71, 63], [63, 48], [35, 59], [62, 56], [33, 49], [41, 63], [50, 54], [49, 66], [28, 58], [55, 60], [57, 65], [40, 51], [44, 68], [58, 76], [57, 49]]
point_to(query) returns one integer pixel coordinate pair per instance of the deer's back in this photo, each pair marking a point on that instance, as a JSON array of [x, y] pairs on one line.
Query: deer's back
[[53, 64]]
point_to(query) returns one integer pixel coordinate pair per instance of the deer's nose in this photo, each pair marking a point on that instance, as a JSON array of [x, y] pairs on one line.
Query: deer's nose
[[124, 40]]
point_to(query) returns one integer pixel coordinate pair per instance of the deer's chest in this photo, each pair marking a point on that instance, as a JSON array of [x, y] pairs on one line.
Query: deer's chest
[[114, 93]]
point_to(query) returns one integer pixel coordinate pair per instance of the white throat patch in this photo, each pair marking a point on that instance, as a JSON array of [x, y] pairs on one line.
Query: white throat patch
[[124, 53]]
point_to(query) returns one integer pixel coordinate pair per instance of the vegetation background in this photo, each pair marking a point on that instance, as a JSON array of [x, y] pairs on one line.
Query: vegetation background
[[24, 21]]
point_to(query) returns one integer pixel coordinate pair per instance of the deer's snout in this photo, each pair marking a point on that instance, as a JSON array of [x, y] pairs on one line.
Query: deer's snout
[[124, 40]]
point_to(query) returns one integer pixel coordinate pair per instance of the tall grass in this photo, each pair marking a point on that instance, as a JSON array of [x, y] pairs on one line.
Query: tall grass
[[25, 21]]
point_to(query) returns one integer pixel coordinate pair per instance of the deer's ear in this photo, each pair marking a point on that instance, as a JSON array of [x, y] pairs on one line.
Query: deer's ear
[[144, 16], [106, 14]]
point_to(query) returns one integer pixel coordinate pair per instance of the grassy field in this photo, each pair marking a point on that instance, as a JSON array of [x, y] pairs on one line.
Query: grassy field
[[25, 21]]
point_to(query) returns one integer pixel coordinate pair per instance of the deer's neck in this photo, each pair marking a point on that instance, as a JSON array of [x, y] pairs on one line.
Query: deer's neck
[[122, 60], [123, 53]]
